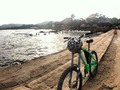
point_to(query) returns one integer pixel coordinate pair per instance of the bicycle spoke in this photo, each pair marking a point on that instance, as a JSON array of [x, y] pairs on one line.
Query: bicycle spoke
[[70, 81]]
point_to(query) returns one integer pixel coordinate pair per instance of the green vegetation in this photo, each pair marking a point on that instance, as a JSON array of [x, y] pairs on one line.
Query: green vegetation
[[94, 22]]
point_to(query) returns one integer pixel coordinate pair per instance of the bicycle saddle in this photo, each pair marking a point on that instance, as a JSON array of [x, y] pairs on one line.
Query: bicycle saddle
[[89, 41]]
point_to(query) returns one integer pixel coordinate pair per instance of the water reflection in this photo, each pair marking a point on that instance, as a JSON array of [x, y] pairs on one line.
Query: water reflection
[[17, 46]]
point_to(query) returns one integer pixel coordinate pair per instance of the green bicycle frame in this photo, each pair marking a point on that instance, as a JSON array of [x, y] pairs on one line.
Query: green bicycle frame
[[84, 61], [80, 57]]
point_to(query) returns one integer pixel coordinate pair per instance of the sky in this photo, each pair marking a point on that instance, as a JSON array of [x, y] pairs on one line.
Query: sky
[[37, 11]]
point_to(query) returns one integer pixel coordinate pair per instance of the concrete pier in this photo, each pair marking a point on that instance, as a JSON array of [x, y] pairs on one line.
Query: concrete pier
[[43, 73]]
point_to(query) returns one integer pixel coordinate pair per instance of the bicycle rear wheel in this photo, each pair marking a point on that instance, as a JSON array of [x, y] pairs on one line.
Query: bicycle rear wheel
[[93, 64], [73, 83]]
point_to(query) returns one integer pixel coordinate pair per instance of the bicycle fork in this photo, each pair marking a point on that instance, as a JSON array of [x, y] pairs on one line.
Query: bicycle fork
[[75, 83]]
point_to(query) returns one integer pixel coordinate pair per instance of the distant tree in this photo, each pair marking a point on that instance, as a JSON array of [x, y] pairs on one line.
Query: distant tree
[[114, 21], [72, 16], [57, 25], [93, 19]]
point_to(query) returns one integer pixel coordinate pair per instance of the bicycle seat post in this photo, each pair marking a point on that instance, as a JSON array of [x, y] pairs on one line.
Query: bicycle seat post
[[89, 41], [88, 46]]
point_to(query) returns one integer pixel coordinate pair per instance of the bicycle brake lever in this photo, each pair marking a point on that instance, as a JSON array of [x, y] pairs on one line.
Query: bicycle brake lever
[[68, 38], [65, 41]]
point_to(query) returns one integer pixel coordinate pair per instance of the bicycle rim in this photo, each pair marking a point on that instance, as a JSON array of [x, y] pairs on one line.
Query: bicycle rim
[[93, 65], [70, 82], [72, 85]]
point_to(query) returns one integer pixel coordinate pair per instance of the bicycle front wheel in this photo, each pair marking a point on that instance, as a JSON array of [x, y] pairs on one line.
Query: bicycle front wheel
[[93, 64], [71, 79]]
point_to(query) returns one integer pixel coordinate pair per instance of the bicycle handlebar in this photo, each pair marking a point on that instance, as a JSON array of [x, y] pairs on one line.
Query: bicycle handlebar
[[84, 35], [67, 37]]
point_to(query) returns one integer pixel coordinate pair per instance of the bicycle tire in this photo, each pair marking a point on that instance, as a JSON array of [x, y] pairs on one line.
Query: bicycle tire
[[64, 76], [93, 72]]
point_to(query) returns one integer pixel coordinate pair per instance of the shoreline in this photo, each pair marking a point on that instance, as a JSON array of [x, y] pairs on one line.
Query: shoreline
[[13, 60], [40, 69]]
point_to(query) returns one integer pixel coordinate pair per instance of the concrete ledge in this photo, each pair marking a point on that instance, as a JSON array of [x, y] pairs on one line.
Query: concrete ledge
[[50, 80]]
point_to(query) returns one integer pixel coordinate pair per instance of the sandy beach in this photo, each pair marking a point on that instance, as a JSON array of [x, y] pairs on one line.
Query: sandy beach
[[43, 73]]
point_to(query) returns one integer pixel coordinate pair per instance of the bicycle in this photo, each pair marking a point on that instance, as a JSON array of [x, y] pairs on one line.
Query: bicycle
[[73, 74]]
